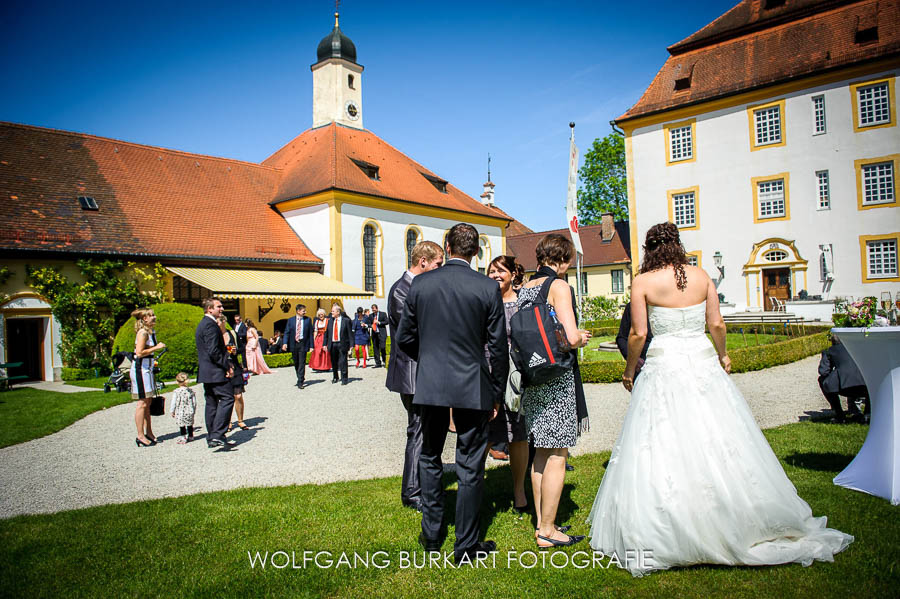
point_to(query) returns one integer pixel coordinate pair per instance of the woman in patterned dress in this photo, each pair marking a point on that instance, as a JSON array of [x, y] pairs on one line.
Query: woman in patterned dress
[[237, 379], [143, 383], [550, 408]]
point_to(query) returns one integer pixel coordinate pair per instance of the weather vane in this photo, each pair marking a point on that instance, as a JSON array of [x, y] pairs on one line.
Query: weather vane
[[489, 167]]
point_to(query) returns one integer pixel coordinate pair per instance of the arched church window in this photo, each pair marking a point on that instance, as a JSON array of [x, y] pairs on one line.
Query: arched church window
[[350, 81], [484, 255], [369, 251], [412, 238]]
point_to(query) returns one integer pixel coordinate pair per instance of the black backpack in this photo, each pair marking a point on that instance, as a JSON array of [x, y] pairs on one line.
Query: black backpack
[[539, 347]]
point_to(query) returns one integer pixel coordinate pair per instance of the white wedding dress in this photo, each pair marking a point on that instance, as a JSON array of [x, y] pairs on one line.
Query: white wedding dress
[[691, 479]]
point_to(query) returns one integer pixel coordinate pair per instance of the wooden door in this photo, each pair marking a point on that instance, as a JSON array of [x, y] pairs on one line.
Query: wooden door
[[25, 337], [777, 284]]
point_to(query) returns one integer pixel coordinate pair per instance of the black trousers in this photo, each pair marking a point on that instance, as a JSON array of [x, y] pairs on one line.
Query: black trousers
[[298, 355], [851, 393], [471, 444], [338, 362], [410, 489], [219, 402], [379, 348]]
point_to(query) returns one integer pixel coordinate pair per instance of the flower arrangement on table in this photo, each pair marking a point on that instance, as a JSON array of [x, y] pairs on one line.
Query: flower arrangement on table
[[855, 314]]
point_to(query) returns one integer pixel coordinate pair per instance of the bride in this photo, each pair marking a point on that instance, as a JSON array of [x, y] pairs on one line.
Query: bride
[[691, 479]]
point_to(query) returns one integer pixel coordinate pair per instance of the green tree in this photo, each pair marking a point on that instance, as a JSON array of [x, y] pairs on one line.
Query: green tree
[[90, 313], [603, 182]]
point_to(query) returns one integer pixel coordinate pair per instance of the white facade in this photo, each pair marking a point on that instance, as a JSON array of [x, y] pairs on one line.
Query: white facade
[[337, 93], [724, 170]]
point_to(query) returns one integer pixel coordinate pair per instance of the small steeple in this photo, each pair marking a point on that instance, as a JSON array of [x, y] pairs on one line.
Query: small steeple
[[487, 198]]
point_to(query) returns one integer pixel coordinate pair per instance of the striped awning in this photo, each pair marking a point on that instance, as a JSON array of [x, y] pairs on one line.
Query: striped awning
[[263, 284]]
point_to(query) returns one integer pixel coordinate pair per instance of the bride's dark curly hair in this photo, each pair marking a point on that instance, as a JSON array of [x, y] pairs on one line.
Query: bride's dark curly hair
[[662, 248]]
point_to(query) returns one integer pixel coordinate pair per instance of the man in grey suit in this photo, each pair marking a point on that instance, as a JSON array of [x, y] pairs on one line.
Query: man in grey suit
[[450, 315], [401, 374], [215, 372]]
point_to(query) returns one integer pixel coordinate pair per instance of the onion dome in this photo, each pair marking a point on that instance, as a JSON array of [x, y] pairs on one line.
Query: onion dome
[[336, 45]]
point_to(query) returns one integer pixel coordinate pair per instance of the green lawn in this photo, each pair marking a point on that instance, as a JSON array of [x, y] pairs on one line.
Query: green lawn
[[27, 414], [732, 341], [197, 546]]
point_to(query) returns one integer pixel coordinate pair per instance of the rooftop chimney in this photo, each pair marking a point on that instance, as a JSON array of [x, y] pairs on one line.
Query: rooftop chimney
[[607, 228]]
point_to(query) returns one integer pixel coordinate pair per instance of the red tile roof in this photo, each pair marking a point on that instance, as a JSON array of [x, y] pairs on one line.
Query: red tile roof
[[751, 47], [152, 201], [323, 158], [596, 251], [517, 228]]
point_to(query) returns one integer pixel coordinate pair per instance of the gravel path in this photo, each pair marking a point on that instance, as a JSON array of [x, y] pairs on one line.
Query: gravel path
[[320, 434]]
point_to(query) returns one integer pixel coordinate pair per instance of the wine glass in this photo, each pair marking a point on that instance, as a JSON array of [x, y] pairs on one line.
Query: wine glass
[[886, 302], [897, 302]]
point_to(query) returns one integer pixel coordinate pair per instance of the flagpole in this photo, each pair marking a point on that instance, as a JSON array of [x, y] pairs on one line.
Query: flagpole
[[572, 211]]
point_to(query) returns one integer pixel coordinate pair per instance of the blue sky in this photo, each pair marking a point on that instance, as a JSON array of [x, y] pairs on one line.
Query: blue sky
[[445, 83]]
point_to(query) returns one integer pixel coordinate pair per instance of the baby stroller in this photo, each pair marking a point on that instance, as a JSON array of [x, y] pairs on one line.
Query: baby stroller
[[119, 379]]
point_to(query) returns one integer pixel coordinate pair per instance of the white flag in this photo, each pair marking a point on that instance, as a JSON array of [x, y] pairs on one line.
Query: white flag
[[572, 198]]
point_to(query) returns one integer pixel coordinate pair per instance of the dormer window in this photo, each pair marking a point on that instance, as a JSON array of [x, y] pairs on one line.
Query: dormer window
[[439, 184], [88, 203], [770, 4], [867, 35], [682, 84], [370, 170]]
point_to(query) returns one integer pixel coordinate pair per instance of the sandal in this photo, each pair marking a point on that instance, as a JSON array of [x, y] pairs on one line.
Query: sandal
[[243, 426], [228, 430], [554, 543]]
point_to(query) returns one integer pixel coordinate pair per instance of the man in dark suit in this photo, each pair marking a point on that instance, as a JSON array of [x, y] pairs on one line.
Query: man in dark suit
[[240, 330], [215, 372], [377, 322], [839, 375], [337, 338], [401, 374], [298, 338], [622, 339], [263, 345], [450, 315]]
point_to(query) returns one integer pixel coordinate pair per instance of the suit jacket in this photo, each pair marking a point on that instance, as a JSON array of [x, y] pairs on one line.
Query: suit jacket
[[625, 330], [263, 344], [212, 357], [401, 374], [450, 315], [382, 319], [241, 331], [290, 331], [345, 333], [838, 371]]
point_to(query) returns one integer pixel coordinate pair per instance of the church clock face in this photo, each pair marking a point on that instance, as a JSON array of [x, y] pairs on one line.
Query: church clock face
[[352, 110]]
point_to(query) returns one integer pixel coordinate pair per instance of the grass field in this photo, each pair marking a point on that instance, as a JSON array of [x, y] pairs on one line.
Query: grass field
[[197, 546]]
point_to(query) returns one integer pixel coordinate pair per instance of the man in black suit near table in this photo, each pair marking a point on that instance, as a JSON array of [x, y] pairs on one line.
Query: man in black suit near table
[[240, 330], [337, 339], [377, 322], [215, 372], [298, 339], [839, 375], [450, 315], [401, 374]]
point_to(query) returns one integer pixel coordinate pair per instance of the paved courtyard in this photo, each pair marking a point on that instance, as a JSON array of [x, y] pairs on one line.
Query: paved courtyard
[[320, 434]]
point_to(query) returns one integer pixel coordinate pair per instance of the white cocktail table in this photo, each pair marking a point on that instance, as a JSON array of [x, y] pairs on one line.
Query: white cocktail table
[[876, 468]]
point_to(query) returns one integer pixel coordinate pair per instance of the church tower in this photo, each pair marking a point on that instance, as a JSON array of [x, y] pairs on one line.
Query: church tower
[[337, 81]]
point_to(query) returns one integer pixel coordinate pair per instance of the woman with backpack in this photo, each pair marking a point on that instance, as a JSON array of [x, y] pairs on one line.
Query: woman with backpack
[[553, 417]]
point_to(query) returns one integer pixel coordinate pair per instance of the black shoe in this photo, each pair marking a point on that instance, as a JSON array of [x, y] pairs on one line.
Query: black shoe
[[139, 444], [554, 543], [476, 551], [225, 444], [415, 504], [344, 382], [569, 467], [429, 544], [301, 385], [333, 381]]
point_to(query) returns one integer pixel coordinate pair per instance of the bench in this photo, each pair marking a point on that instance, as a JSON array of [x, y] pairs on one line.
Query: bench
[[7, 381]]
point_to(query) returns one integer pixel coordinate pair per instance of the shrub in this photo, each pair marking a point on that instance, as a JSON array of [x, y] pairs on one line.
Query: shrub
[[175, 325], [77, 374], [279, 360], [600, 307]]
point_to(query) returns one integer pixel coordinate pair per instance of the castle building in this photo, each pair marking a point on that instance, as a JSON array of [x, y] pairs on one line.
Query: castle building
[[331, 216], [770, 138]]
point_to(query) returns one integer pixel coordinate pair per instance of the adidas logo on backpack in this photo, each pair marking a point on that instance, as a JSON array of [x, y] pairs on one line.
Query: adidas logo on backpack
[[535, 360]]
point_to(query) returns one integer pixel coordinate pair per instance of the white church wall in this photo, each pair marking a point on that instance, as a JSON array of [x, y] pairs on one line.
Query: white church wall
[[722, 172], [391, 247], [312, 226]]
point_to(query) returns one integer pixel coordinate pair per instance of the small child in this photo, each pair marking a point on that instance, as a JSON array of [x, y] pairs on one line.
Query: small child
[[184, 404]]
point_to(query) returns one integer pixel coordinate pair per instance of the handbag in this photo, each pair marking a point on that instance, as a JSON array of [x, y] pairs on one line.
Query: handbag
[[158, 406], [513, 396]]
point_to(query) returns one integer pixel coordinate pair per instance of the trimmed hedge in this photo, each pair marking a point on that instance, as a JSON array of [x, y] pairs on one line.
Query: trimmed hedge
[[175, 325], [744, 359], [81, 374], [280, 360]]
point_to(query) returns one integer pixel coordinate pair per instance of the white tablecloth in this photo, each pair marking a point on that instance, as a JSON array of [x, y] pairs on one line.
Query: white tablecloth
[[876, 468]]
